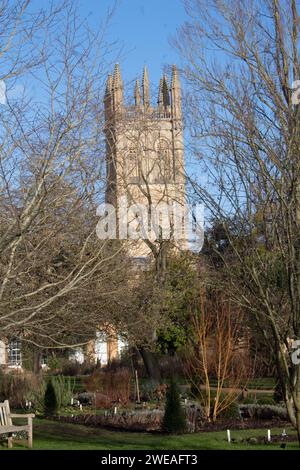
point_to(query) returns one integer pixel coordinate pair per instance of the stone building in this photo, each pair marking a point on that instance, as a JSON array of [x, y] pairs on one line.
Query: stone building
[[145, 162]]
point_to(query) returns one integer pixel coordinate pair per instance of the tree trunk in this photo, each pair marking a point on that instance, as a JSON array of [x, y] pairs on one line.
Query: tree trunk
[[151, 364], [37, 356], [298, 425], [290, 410]]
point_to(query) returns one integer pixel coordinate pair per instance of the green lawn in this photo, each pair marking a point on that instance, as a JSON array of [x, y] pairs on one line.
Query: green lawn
[[62, 436]]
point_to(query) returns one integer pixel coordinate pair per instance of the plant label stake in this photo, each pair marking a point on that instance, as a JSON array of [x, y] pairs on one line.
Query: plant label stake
[[228, 436], [269, 435]]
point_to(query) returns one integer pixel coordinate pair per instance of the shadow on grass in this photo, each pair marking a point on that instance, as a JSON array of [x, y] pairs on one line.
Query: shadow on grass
[[62, 436]]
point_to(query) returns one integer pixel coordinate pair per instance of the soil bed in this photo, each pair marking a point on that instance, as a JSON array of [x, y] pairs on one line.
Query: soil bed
[[123, 425]]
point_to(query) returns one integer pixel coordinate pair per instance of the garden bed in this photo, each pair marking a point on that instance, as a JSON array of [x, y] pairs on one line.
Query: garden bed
[[150, 422], [123, 421]]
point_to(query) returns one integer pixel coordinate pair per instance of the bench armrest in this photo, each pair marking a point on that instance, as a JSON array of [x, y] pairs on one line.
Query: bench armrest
[[19, 415]]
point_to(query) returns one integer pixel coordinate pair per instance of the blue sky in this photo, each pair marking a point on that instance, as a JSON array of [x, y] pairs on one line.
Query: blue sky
[[143, 28]]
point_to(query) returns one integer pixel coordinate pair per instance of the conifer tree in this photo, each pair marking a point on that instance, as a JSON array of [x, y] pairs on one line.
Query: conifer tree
[[174, 420], [50, 400]]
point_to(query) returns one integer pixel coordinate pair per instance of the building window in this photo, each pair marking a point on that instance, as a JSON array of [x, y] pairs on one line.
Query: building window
[[2, 353], [163, 171], [101, 348], [132, 165], [14, 353], [77, 355], [44, 361], [122, 346]]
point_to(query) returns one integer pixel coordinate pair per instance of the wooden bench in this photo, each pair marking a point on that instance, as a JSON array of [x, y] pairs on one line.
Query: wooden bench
[[6, 426]]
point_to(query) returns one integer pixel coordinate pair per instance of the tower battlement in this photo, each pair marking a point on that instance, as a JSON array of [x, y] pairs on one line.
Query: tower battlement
[[168, 97]]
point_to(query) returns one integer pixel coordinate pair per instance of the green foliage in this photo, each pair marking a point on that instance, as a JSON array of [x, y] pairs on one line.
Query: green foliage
[[36, 396], [181, 290], [249, 400], [58, 394], [174, 420], [232, 411], [265, 400], [50, 400], [64, 389]]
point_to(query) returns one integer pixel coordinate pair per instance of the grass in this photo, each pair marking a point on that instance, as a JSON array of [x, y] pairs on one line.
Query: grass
[[49, 435], [259, 383]]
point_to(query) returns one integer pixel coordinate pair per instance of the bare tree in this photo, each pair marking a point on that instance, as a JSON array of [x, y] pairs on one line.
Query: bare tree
[[51, 175], [218, 366], [241, 61]]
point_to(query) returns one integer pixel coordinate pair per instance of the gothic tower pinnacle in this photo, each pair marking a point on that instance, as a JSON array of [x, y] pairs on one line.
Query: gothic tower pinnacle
[[175, 95], [137, 94], [117, 89], [146, 93]]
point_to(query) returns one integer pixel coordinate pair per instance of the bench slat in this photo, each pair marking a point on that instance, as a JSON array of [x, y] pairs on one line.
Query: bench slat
[[4, 420], [8, 429]]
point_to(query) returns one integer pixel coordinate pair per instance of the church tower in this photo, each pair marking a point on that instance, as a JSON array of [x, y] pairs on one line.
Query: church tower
[[144, 145]]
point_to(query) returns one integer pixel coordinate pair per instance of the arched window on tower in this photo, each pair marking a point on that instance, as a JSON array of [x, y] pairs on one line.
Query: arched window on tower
[[132, 164], [164, 165]]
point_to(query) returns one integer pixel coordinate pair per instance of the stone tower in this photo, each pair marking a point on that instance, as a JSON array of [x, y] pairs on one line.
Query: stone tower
[[144, 145]]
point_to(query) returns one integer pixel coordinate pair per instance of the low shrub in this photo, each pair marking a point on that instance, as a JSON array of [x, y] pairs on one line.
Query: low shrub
[[71, 368], [61, 365], [16, 387], [224, 410], [266, 401], [232, 411], [264, 412], [142, 421], [86, 398], [74, 368], [64, 389], [36, 396], [151, 390], [196, 417], [147, 389], [102, 400], [110, 386], [160, 392], [249, 401]]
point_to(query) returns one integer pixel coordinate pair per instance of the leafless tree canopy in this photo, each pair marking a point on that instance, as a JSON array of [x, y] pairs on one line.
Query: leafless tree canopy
[[241, 59], [54, 270]]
